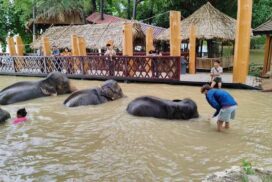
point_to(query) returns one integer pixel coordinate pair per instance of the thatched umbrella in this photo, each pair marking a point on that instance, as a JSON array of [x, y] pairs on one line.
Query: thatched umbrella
[[96, 35], [210, 24]]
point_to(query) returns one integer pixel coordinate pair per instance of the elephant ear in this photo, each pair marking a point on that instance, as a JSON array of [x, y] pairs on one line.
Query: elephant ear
[[48, 90]]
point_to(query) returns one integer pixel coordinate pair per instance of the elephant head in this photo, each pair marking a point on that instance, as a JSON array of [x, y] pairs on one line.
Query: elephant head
[[188, 108], [111, 90], [56, 84], [4, 115]]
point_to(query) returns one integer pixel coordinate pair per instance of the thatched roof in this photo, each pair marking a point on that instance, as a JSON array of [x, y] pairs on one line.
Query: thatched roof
[[210, 24], [265, 28], [96, 35]]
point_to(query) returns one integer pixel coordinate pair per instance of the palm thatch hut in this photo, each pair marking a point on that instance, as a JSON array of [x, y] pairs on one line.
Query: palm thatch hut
[[213, 26], [96, 35], [266, 29]]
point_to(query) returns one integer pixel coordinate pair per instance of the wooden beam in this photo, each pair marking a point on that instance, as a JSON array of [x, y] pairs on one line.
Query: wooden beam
[[175, 35], [192, 53], [267, 55], [128, 46], [11, 46], [242, 41], [46, 46], [20, 48]]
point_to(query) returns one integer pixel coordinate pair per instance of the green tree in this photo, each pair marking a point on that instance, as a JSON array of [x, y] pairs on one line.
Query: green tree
[[262, 11], [11, 22]]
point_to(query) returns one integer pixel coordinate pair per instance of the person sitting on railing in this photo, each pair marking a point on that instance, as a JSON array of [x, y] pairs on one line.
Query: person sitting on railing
[[216, 73], [110, 52]]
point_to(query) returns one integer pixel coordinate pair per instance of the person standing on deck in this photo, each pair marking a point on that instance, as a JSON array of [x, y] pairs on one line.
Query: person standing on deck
[[216, 73], [110, 53], [224, 104]]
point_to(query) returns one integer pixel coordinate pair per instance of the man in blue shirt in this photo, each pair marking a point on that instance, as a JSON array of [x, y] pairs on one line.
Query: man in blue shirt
[[224, 104]]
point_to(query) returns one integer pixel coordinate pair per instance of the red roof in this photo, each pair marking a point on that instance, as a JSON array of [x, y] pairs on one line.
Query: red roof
[[96, 18]]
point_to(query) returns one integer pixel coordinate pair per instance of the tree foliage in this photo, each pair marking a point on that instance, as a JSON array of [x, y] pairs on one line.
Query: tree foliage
[[15, 13], [11, 22]]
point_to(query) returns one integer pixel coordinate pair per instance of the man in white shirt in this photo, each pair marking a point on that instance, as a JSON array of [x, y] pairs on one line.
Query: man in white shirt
[[216, 73]]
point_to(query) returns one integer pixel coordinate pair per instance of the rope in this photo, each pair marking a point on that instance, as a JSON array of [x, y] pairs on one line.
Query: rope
[[155, 16]]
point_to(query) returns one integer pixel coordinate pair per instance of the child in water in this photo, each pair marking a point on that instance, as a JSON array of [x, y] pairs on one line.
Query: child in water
[[21, 116]]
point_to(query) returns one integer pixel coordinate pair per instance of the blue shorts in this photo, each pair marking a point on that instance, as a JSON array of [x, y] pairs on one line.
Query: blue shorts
[[226, 114]]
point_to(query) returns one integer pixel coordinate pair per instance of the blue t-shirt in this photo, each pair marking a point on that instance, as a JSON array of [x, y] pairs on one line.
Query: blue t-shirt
[[219, 98]]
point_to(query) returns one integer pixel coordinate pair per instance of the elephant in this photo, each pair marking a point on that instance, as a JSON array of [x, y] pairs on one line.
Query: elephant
[[4, 115], [109, 91], [149, 106], [54, 84]]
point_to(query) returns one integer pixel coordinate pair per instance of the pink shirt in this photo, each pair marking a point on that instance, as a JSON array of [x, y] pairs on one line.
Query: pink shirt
[[19, 120]]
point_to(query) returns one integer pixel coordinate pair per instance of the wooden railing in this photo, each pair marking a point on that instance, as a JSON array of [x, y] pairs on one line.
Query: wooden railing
[[122, 67]]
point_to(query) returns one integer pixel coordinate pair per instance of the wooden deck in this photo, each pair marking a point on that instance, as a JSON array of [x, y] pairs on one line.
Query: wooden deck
[[202, 78]]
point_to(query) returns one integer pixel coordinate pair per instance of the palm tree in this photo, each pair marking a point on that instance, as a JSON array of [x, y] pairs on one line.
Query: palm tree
[[60, 9]]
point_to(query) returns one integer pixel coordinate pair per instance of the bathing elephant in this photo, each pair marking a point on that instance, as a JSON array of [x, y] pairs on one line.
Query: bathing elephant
[[55, 84], [109, 91], [159, 108], [4, 115]]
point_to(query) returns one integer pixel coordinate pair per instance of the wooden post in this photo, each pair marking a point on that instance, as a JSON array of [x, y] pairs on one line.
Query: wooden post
[[82, 52], [75, 52], [20, 48], [82, 46], [149, 40], [74, 42], [128, 45], [242, 41], [175, 37], [192, 53], [11, 46], [149, 46], [267, 55], [128, 40], [46, 46]]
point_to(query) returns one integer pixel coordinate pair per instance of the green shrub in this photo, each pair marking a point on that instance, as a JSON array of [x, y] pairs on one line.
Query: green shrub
[[255, 69]]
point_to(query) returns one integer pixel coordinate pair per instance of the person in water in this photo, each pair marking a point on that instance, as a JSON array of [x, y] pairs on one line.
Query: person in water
[[21, 116], [224, 104]]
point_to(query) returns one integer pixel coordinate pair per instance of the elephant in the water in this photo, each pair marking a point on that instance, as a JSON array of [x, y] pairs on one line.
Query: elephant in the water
[[4, 115], [109, 91], [55, 84], [159, 108]]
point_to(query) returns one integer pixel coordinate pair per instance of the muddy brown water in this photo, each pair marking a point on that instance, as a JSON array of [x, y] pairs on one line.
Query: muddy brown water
[[104, 143]]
